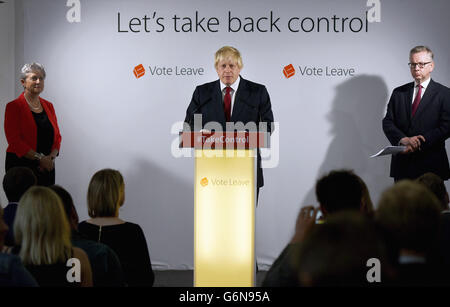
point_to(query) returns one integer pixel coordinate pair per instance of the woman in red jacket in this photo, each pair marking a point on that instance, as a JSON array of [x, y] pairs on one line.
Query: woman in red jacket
[[31, 128]]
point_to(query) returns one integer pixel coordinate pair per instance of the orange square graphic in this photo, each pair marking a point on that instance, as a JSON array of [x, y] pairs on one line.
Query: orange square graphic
[[139, 71], [204, 182], [289, 71]]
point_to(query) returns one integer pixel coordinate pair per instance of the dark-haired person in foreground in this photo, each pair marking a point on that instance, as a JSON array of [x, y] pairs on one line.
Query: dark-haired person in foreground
[[106, 268], [337, 191], [338, 253]]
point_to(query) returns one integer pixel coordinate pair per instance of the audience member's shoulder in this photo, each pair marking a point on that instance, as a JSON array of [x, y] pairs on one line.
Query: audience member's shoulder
[[13, 273], [79, 253], [85, 226], [7, 261], [83, 223], [126, 227], [91, 247], [132, 227], [11, 208]]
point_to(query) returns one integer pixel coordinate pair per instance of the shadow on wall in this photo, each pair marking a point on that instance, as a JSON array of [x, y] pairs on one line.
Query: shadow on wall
[[163, 205], [357, 112]]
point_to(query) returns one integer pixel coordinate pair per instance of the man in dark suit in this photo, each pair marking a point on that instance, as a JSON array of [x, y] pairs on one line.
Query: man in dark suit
[[418, 117], [231, 100]]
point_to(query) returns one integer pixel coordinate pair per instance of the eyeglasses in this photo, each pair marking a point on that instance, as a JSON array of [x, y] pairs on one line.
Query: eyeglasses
[[35, 78], [414, 65]]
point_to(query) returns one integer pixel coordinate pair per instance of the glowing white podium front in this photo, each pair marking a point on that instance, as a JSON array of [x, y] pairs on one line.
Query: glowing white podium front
[[225, 201]]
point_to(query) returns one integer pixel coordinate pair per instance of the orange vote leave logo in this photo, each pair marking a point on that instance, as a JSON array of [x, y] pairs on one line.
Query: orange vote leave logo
[[139, 71], [204, 182], [289, 71]]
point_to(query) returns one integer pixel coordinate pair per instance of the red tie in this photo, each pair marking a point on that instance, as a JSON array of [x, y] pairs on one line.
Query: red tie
[[227, 103], [417, 100]]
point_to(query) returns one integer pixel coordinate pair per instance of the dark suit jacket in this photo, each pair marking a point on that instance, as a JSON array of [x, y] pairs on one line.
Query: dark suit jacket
[[251, 104], [432, 121]]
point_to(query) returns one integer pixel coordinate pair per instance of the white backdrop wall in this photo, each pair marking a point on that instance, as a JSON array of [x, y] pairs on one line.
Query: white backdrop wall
[[110, 118], [7, 68]]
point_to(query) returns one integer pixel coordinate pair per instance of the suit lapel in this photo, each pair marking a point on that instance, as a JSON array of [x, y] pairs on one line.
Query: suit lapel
[[240, 99], [426, 98], [217, 100], [408, 101]]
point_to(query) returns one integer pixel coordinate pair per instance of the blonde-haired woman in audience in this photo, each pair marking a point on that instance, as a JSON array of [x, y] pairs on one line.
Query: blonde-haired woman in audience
[[106, 194], [43, 233]]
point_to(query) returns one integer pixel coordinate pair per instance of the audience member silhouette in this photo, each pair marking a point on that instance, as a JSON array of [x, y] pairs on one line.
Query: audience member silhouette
[[336, 191], [42, 231], [339, 190], [340, 253], [106, 194], [437, 186], [106, 268], [408, 214], [16, 181], [410, 229], [12, 271]]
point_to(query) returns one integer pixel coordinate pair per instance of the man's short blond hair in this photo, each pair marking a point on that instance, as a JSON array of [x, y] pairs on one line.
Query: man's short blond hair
[[228, 52]]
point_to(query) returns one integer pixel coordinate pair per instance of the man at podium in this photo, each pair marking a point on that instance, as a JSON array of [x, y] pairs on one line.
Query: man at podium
[[231, 100]]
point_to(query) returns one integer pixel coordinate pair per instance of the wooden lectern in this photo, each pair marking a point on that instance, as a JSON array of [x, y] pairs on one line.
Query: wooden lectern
[[225, 201]]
